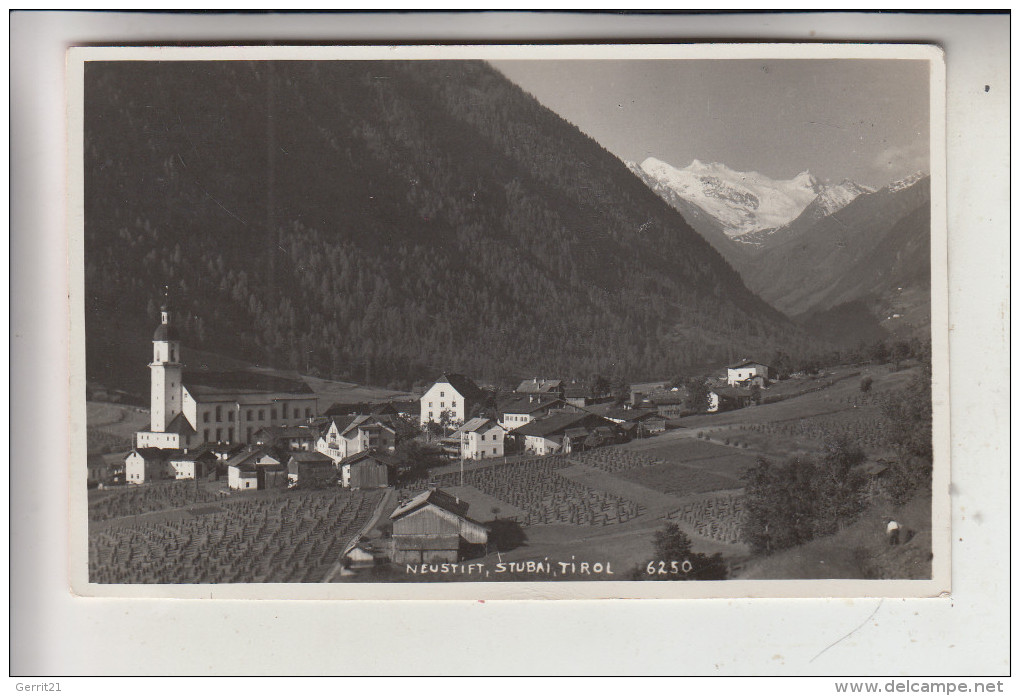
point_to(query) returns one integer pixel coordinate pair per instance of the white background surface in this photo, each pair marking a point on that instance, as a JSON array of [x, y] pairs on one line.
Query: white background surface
[[53, 632]]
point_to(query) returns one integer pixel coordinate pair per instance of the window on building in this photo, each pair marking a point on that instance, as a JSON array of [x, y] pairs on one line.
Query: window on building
[[230, 416], [483, 437], [248, 435], [205, 434], [230, 434], [284, 412], [442, 394], [272, 414], [308, 412], [205, 417], [494, 450], [442, 404], [262, 414], [248, 415], [219, 434], [219, 414]]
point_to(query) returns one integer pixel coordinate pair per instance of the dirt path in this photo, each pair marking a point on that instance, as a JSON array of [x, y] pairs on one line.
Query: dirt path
[[373, 520]]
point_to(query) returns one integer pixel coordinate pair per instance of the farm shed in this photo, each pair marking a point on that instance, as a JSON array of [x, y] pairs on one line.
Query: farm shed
[[368, 469], [433, 527], [311, 470]]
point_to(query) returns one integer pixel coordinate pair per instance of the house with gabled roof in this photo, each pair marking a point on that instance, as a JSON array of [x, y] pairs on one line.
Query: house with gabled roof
[[520, 411], [195, 463], [147, 464], [744, 373], [481, 438], [546, 435], [545, 387], [433, 527], [290, 438], [453, 393], [346, 435], [255, 468]]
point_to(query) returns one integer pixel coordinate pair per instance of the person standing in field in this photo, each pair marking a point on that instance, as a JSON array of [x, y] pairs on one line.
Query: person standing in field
[[892, 532]]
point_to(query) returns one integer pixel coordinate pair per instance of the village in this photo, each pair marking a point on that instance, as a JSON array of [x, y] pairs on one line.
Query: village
[[458, 474]]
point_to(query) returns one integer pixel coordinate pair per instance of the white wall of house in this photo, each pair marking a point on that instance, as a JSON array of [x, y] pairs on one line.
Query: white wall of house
[[515, 420], [146, 438], [482, 444], [713, 402], [183, 469], [739, 374], [240, 483], [442, 397], [540, 445]]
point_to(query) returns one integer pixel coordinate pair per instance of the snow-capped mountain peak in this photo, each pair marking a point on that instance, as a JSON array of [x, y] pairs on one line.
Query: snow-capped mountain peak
[[834, 198], [906, 182], [741, 201]]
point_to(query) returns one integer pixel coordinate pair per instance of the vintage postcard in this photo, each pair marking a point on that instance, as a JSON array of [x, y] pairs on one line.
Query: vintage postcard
[[473, 322]]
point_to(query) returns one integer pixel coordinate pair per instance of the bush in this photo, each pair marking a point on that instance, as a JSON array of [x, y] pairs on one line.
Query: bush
[[866, 385]]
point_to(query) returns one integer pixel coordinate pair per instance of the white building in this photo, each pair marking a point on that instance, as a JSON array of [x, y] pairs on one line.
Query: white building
[[746, 370], [523, 411], [452, 393], [481, 438], [146, 464], [187, 410], [347, 436]]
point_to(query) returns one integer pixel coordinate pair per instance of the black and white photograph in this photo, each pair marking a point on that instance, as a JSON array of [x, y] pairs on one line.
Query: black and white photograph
[[640, 321]]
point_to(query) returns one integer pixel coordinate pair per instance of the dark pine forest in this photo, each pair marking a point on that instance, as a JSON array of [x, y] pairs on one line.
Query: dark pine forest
[[382, 221]]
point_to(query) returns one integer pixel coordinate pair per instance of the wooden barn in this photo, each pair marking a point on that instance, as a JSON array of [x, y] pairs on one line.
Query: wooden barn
[[433, 527], [311, 470], [369, 469]]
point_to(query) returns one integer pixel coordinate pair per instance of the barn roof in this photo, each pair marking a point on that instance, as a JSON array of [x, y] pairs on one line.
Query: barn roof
[[434, 497], [539, 386], [203, 451], [742, 363], [380, 457], [249, 455], [529, 404], [311, 458], [556, 424], [223, 386], [631, 414]]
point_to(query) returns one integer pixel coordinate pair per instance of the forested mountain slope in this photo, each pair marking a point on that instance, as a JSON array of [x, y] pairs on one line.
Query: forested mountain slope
[[381, 221]]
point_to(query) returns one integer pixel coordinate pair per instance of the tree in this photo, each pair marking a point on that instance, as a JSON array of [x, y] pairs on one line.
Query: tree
[[838, 485], [697, 394], [600, 387], [674, 559], [908, 415], [866, 384], [621, 391], [779, 505]]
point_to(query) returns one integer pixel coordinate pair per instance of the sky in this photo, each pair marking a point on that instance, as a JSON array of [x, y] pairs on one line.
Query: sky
[[866, 120]]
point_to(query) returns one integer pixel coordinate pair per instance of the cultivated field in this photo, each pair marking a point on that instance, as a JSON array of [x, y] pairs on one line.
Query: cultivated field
[[268, 536]]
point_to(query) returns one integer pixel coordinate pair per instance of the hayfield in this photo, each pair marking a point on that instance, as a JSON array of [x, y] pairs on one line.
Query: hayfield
[[680, 480], [284, 536]]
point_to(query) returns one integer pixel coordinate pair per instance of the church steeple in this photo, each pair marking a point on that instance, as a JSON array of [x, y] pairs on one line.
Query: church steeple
[[166, 369]]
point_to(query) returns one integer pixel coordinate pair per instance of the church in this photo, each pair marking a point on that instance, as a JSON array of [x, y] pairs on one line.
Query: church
[[188, 409]]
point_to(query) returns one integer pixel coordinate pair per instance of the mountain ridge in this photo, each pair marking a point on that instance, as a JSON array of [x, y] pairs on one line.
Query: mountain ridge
[[378, 222]]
